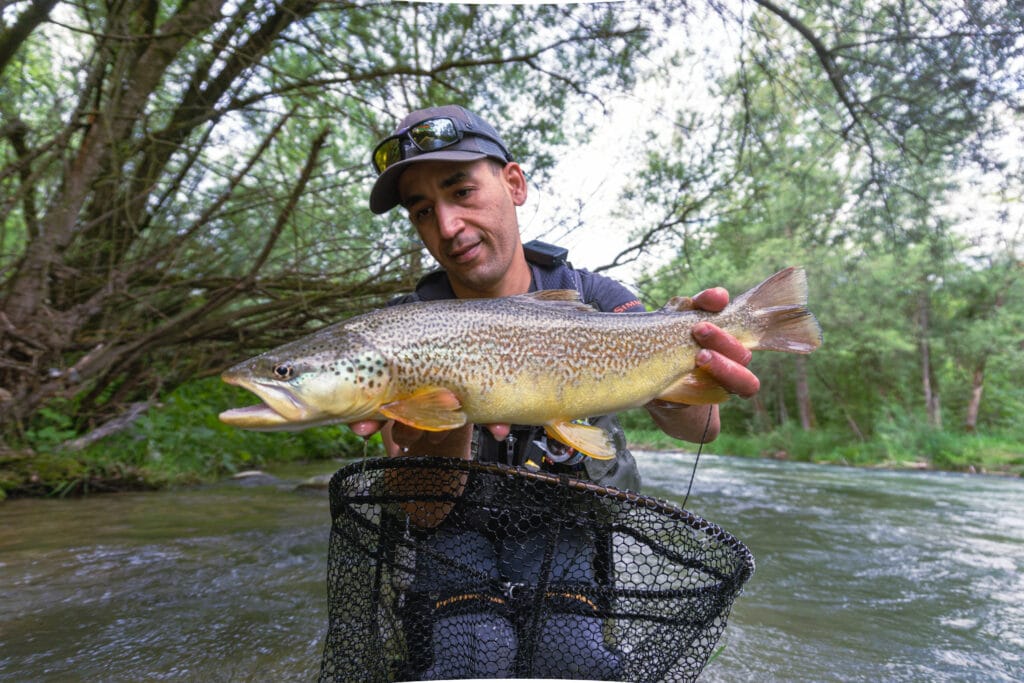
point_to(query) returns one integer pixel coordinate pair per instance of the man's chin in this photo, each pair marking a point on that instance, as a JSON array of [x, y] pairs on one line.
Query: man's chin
[[473, 281]]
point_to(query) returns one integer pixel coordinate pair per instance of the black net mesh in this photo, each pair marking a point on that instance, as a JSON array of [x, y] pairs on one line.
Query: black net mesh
[[447, 569]]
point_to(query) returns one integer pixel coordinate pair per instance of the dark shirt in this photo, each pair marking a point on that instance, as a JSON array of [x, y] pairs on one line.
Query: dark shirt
[[528, 445]]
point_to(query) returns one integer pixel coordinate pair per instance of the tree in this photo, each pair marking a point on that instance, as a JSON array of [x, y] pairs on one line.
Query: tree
[[923, 79], [986, 324], [842, 128], [896, 87], [184, 181]]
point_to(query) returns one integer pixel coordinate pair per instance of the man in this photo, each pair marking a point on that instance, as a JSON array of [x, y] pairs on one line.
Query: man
[[452, 173], [461, 194]]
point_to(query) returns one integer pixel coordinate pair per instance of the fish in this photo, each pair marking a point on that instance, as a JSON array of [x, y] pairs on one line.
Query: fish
[[543, 358]]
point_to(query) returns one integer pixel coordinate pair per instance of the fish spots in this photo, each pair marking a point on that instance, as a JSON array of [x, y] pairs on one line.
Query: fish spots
[[499, 351], [364, 370], [507, 359], [336, 368]]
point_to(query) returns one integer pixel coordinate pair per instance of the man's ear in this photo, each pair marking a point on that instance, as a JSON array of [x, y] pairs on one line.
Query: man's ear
[[515, 180]]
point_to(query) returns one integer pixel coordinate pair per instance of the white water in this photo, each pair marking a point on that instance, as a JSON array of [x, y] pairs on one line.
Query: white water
[[862, 575]]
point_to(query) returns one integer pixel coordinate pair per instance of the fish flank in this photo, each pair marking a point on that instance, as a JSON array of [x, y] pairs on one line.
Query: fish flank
[[535, 359]]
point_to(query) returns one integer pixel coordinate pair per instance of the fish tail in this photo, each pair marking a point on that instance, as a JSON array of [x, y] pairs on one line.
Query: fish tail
[[778, 312], [772, 316]]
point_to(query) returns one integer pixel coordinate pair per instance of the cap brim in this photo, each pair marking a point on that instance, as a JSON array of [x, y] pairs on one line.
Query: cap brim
[[384, 195]]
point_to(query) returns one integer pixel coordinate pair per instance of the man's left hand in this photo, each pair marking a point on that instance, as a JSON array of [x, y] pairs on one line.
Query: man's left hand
[[722, 356]]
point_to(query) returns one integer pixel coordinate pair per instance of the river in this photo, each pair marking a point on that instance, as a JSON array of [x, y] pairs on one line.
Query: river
[[862, 575]]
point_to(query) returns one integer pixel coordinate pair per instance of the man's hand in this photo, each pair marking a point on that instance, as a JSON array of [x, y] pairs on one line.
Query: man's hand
[[400, 439], [723, 356], [366, 428]]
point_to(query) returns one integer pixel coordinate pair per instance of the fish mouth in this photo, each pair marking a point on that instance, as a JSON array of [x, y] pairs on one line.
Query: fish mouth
[[280, 407], [254, 417]]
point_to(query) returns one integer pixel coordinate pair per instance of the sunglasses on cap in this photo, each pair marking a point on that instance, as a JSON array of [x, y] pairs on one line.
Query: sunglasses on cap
[[427, 136]]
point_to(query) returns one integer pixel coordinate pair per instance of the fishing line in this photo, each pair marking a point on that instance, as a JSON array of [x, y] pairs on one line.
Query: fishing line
[[700, 447]]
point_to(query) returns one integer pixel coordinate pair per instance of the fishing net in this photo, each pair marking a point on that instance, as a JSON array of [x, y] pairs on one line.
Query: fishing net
[[447, 569]]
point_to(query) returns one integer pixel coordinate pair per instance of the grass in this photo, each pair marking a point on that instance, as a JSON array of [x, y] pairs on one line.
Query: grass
[[922, 448]]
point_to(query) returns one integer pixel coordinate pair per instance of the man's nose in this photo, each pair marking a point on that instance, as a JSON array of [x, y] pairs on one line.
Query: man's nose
[[449, 220]]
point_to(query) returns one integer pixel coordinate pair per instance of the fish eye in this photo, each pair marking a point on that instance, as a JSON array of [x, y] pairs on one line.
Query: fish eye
[[284, 371]]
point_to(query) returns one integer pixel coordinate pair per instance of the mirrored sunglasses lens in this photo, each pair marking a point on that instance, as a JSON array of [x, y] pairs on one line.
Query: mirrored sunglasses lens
[[434, 134], [386, 154]]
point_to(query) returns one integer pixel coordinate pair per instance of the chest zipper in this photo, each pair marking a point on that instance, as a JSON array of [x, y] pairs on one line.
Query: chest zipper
[[510, 449]]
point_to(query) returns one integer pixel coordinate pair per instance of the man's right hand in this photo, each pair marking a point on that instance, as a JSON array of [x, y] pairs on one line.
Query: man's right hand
[[401, 439], [366, 428]]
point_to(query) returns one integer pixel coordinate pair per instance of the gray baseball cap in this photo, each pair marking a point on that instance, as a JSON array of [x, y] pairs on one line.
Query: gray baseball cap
[[478, 140]]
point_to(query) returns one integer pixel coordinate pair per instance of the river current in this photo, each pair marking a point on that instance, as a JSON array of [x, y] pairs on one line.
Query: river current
[[862, 575]]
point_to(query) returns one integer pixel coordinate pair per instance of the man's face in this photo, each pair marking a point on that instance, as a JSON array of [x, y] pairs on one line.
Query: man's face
[[465, 213]]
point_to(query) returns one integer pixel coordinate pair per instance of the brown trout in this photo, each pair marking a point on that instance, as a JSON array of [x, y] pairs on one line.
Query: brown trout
[[536, 359]]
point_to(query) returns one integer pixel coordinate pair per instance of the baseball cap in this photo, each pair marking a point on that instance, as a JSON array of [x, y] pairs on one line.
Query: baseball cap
[[473, 139]]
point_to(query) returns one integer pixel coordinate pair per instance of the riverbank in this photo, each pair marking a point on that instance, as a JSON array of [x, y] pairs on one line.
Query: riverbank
[[181, 442], [129, 462], [151, 459], [178, 442], [922, 449]]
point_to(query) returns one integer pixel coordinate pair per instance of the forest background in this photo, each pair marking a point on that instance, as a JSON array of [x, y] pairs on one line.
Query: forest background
[[184, 184]]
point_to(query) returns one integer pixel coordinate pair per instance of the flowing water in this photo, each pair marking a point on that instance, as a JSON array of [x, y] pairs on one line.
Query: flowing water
[[862, 575]]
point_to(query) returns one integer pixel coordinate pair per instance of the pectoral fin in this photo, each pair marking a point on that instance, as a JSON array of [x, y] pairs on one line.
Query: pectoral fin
[[431, 409], [592, 441], [695, 388]]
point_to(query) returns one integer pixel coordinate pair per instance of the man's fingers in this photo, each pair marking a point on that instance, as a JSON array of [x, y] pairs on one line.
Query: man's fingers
[[734, 377], [405, 436], [715, 338], [366, 428], [712, 300], [500, 431], [406, 440]]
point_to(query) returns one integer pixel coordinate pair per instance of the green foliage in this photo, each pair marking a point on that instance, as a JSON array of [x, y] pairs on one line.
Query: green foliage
[[51, 426], [917, 447], [179, 441], [200, 173], [221, 204], [184, 435], [917, 319]]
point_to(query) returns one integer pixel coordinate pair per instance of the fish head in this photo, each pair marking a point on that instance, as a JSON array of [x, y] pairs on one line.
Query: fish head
[[309, 383]]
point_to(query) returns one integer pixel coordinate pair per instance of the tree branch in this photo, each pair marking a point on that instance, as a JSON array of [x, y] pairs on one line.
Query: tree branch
[[12, 38]]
